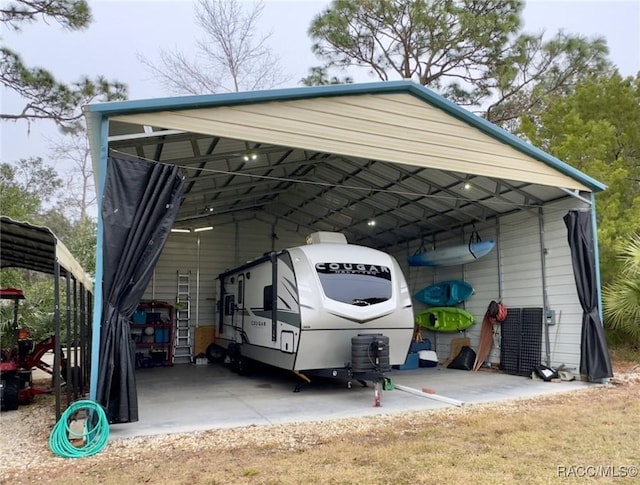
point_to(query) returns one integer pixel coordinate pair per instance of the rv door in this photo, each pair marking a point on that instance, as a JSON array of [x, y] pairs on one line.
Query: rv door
[[228, 315], [240, 309]]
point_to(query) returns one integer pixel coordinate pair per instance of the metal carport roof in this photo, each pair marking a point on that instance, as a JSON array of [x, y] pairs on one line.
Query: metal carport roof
[[337, 158], [36, 248]]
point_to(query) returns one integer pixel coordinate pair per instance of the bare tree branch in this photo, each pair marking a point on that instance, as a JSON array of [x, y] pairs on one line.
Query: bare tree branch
[[230, 57], [73, 158]]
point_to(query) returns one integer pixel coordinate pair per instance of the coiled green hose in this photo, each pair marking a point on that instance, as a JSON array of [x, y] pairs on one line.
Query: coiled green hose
[[95, 438]]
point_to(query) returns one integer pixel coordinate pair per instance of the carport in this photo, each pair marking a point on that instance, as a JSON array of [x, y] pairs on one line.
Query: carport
[[36, 248], [391, 165]]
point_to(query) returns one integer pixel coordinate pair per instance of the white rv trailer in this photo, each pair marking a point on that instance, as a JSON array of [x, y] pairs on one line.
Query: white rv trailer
[[299, 308]]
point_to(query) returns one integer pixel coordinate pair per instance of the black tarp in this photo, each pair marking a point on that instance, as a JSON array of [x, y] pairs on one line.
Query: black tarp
[[595, 362], [140, 203]]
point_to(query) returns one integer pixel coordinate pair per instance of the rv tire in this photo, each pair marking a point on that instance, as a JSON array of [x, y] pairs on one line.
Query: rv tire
[[215, 353]]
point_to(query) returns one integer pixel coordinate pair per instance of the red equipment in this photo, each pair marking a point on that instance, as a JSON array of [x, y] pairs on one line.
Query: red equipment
[[18, 362]]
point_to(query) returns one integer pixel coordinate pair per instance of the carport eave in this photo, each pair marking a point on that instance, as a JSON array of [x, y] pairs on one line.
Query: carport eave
[[288, 94], [248, 97]]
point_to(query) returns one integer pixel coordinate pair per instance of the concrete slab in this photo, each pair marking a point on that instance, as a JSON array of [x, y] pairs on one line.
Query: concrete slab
[[188, 398]]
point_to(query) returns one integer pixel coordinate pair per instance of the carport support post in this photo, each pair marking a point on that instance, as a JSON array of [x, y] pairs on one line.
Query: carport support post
[[56, 348], [596, 253], [545, 298], [596, 259], [499, 259], [97, 301], [68, 329]]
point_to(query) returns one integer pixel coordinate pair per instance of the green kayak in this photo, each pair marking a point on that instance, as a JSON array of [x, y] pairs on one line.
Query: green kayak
[[445, 319]]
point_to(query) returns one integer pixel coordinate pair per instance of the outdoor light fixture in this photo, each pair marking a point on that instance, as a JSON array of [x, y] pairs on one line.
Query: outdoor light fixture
[[250, 156], [202, 229], [175, 229], [467, 186], [371, 223]]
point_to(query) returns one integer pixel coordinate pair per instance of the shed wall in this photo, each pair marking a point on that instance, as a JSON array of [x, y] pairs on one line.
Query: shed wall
[[207, 254], [513, 272], [565, 335]]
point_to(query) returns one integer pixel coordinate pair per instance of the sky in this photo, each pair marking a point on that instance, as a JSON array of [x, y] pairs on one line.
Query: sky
[[123, 29]]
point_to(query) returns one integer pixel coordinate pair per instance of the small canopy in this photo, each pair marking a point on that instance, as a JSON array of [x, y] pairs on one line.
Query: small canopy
[[23, 245]]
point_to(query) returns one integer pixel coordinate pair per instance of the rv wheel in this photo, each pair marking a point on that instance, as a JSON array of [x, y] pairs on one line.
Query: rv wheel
[[215, 353]]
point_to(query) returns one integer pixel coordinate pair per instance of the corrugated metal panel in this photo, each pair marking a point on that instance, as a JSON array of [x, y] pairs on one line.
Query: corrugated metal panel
[[522, 280], [482, 275], [521, 271], [394, 127], [217, 249], [521, 260], [171, 151], [562, 296]]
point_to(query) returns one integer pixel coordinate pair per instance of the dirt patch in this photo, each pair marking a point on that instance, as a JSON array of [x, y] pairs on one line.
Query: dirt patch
[[626, 367]]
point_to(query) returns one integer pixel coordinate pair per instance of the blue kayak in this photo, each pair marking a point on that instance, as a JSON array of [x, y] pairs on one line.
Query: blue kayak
[[445, 293], [450, 256]]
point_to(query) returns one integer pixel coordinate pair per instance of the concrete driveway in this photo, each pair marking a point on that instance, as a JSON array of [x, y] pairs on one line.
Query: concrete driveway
[[187, 398]]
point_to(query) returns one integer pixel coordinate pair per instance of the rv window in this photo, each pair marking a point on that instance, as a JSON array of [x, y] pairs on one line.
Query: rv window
[[357, 284], [240, 290], [267, 295], [229, 304]]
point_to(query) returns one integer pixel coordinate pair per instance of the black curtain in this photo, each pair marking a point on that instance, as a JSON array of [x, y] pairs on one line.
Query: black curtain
[[140, 203], [595, 362]]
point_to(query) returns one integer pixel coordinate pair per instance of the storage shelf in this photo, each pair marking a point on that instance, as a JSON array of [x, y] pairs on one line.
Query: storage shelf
[[161, 318]]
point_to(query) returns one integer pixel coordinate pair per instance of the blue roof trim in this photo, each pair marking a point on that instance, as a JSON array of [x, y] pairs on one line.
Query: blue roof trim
[[248, 97], [421, 92]]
